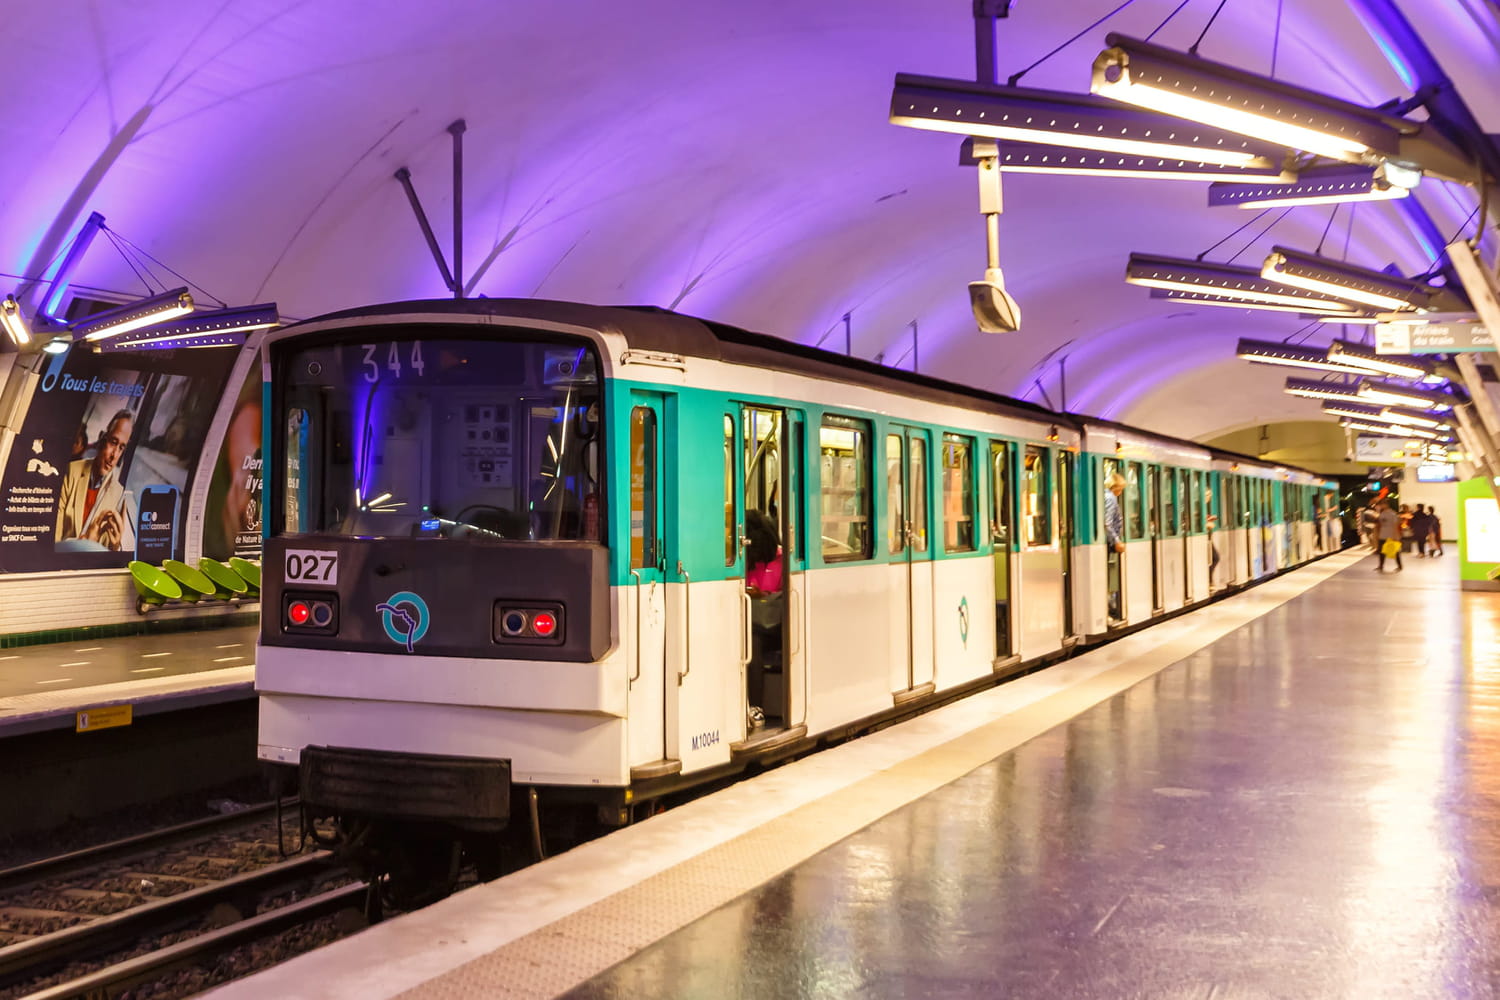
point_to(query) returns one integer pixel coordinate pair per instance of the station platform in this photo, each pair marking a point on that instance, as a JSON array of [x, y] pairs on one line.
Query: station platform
[[43, 687], [1290, 793]]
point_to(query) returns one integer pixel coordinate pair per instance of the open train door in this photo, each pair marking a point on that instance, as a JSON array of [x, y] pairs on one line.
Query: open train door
[[767, 541]]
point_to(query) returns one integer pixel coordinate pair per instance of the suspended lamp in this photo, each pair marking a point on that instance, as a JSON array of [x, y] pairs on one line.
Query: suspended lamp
[[1186, 86]]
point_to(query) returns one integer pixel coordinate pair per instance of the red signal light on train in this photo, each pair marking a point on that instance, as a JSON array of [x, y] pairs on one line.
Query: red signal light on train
[[544, 623], [298, 612]]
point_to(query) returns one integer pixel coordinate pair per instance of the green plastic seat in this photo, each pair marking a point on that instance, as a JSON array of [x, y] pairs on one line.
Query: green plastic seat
[[195, 584], [152, 585], [227, 582], [248, 571]]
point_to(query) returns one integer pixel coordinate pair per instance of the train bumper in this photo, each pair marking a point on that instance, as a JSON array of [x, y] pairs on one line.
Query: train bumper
[[467, 792]]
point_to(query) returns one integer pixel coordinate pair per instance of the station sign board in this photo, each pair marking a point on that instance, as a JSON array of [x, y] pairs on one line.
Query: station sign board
[[1385, 450], [1432, 338]]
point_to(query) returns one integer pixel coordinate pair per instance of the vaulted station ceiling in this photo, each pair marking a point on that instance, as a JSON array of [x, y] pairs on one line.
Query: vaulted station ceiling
[[728, 160]]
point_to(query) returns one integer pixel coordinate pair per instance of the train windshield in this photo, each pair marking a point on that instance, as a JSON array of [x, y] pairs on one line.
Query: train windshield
[[419, 435]]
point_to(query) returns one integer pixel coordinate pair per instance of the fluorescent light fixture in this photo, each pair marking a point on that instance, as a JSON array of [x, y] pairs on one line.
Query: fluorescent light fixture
[[1344, 352], [1174, 83], [1225, 280], [1398, 396], [1327, 276], [13, 322], [1390, 431], [146, 312], [1322, 390], [194, 341], [1358, 411], [1269, 352], [52, 301], [1021, 114], [1206, 299], [1320, 186], [1036, 158], [1354, 320], [1384, 414], [58, 344], [239, 319]]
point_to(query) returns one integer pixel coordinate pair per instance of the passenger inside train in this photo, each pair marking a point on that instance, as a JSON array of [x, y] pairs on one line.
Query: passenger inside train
[[763, 582]]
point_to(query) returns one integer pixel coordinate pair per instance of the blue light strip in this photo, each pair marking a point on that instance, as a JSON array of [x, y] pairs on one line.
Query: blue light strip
[[53, 300]]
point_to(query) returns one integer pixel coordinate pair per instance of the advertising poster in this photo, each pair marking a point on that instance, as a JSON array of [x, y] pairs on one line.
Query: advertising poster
[[100, 472], [231, 519]]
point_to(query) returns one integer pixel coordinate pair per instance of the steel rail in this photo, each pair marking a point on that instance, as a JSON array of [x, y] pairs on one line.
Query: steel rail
[[115, 979], [41, 955], [64, 864]]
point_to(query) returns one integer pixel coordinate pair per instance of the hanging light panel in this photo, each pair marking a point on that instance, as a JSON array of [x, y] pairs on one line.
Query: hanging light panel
[[1186, 86]]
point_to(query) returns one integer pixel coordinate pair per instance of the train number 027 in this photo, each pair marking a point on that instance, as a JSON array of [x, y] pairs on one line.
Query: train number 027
[[318, 567]]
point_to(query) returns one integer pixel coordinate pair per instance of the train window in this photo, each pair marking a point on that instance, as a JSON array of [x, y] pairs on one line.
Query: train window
[[414, 434], [844, 460], [1196, 495], [1134, 509], [1036, 498], [917, 480], [958, 493], [643, 527], [731, 536], [763, 461], [294, 488], [895, 495], [1169, 502]]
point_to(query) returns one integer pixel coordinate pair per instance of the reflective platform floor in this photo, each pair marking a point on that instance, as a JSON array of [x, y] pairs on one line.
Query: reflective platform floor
[[1304, 806], [1308, 808], [43, 686]]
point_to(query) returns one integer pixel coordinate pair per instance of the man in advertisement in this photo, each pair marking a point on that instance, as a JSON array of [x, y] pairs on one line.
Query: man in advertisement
[[94, 504]]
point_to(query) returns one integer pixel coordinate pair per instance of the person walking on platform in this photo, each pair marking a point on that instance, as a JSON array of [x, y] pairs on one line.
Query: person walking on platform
[[1387, 535], [1421, 528], [1435, 531]]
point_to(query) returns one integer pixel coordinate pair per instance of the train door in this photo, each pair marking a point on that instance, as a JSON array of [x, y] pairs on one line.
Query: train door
[[646, 606], [908, 543], [1001, 534], [1065, 512], [1186, 503], [1154, 533], [1112, 531], [1248, 508], [766, 546]]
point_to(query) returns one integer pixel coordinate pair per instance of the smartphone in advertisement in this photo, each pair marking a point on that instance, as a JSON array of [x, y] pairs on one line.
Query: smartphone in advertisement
[[156, 527]]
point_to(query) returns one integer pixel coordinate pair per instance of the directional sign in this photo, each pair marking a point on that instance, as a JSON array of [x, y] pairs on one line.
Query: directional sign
[[1432, 338]]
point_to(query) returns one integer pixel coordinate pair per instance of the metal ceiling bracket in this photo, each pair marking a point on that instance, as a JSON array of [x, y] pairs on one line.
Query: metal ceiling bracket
[[452, 280]]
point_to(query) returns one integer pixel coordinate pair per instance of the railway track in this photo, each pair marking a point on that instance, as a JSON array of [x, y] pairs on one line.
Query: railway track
[[182, 909]]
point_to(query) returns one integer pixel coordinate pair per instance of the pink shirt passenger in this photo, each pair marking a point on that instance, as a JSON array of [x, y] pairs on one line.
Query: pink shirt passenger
[[765, 577]]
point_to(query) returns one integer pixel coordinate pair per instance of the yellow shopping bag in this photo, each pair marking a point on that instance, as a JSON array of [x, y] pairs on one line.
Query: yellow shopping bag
[[1390, 547]]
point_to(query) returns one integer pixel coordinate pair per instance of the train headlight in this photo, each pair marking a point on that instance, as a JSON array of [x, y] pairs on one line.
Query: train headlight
[[310, 613], [528, 623]]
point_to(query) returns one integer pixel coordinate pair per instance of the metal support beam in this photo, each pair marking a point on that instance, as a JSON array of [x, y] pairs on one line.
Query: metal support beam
[[404, 176], [1450, 116], [457, 130], [986, 59]]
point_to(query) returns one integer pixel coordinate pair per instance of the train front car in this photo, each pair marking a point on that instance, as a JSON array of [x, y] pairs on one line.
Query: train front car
[[436, 618]]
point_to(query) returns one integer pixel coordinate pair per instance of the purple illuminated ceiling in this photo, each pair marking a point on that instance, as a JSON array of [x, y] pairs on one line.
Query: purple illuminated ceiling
[[733, 161]]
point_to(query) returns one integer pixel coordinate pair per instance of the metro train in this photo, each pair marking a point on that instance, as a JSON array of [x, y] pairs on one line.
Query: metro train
[[531, 559]]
